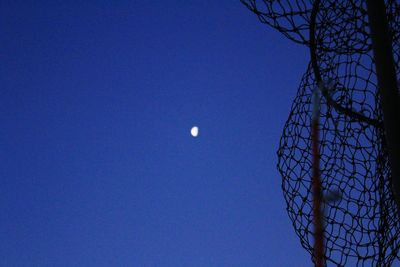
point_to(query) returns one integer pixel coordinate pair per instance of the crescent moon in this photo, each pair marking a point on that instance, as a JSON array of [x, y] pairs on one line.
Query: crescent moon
[[194, 131]]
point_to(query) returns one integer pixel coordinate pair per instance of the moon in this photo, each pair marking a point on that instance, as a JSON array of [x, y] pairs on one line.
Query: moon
[[194, 131]]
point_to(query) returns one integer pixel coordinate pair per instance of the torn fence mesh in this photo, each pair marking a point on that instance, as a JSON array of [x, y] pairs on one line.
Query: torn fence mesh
[[361, 220]]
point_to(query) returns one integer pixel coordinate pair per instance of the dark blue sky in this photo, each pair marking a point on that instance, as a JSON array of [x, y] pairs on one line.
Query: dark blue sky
[[98, 167]]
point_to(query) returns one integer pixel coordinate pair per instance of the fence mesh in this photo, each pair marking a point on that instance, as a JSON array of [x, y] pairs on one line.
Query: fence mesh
[[361, 220]]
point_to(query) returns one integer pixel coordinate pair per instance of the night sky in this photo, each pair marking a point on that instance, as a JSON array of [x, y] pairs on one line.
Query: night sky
[[98, 167]]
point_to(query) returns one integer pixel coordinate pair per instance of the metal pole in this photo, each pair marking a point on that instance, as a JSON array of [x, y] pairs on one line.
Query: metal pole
[[385, 69], [316, 185]]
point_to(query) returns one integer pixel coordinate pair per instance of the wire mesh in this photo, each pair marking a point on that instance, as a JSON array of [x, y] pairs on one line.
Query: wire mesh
[[361, 220]]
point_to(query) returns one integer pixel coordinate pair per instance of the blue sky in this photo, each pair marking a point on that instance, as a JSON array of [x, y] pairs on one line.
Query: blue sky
[[98, 167]]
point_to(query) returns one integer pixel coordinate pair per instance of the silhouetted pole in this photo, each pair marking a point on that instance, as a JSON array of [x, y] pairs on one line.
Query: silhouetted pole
[[388, 91], [316, 179]]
